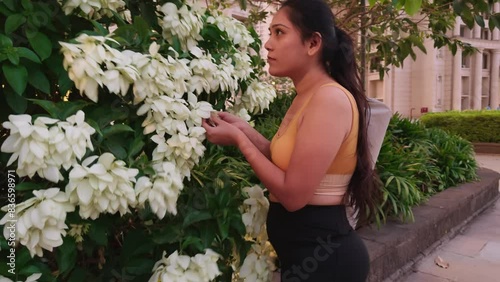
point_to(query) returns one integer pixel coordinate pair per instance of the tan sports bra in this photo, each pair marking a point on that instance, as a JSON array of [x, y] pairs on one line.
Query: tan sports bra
[[335, 182]]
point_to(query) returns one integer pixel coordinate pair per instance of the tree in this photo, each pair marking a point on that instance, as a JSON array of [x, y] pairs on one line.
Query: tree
[[389, 31]]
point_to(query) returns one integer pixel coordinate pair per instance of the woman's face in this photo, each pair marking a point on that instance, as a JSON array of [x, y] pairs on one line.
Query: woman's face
[[287, 53]]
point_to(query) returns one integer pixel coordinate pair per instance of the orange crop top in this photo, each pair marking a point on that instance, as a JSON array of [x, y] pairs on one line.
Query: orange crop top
[[340, 171]]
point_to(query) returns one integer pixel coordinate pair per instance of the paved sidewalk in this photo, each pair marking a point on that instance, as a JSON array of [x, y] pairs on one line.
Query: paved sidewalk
[[474, 254]]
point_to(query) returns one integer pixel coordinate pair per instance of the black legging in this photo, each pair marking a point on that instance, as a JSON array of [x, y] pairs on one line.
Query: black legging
[[317, 244]]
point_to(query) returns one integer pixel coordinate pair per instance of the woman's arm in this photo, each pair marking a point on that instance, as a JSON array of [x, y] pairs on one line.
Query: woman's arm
[[253, 135], [325, 123]]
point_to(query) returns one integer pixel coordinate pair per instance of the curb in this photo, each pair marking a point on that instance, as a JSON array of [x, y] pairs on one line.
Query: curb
[[486, 148], [396, 246]]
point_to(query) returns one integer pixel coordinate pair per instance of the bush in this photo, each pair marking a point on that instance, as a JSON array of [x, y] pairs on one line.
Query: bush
[[474, 126], [103, 150], [416, 162]]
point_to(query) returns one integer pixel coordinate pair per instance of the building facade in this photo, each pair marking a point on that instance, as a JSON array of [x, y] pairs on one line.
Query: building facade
[[438, 81]]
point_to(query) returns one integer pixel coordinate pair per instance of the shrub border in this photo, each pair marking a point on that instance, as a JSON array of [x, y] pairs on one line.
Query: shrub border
[[396, 247]]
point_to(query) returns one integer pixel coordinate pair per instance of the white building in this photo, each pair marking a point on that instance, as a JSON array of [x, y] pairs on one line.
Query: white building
[[438, 81]]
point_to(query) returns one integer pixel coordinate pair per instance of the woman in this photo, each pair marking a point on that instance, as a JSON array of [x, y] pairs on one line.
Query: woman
[[318, 161]]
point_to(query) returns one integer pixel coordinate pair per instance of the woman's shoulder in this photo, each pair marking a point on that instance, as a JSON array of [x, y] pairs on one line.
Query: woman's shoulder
[[331, 95]]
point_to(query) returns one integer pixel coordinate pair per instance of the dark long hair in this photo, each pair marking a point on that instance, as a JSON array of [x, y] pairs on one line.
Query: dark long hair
[[338, 58]]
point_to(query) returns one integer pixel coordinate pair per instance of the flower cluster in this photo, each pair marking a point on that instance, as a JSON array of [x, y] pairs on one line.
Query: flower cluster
[[255, 210], [93, 9], [258, 264], [40, 222], [78, 230], [105, 186], [234, 29], [257, 97], [43, 150], [184, 22], [84, 62], [163, 191], [201, 267]]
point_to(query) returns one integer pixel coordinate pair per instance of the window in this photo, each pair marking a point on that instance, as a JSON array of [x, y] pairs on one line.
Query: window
[[485, 34], [462, 30], [466, 62], [485, 61]]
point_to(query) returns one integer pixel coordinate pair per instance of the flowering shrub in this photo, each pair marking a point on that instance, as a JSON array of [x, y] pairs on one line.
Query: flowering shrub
[[103, 107]]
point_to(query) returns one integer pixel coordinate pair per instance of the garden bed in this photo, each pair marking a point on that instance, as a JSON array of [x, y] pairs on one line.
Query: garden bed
[[396, 246]]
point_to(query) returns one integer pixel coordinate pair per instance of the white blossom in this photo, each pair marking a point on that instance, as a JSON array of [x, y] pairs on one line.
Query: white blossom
[[184, 22], [255, 209], [258, 265], [105, 186], [93, 9], [84, 62], [163, 191], [40, 220], [256, 98], [179, 268], [235, 30], [43, 150]]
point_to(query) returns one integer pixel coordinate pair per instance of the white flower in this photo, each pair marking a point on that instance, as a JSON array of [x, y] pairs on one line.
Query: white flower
[[199, 110], [43, 150], [185, 23], [255, 210], [163, 191], [32, 278], [238, 33], [103, 187], [179, 268], [40, 222], [258, 265], [78, 230], [93, 9], [257, 97]]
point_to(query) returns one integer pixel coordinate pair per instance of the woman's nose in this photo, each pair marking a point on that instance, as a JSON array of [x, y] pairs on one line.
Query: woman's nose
[[267, 45]]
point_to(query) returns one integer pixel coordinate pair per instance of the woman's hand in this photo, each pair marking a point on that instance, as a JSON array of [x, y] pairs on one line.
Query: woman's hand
[[234, 120], [221, 132]]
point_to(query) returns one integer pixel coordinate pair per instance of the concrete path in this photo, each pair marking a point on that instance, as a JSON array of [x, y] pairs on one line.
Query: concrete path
[[474, 254]]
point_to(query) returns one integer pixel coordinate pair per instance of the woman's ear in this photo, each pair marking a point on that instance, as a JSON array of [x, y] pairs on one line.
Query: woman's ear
[[315, 43]]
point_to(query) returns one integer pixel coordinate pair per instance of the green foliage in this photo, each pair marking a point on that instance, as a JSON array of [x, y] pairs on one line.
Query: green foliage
[[114, 247], [415, 163], [474, 126]]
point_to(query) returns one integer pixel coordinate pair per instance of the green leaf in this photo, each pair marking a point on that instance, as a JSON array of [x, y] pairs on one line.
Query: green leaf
[[66, 255], [412, 6], [16, 76], [27, 5], [479, 20], [78, 275], [48, 106], [116, 149], [116, 129], [13, 56], [28, 54], [142, 28], [167, 235], [98, 233], [10, 4], [196, 216], [5, 41], [16, 102], [372, 2], [30, 269], [135, 147], [28, 186], [458, 6], [70, 108], [139, 266], [192, 241], [38, 80], [13, 22], [41, 44]]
